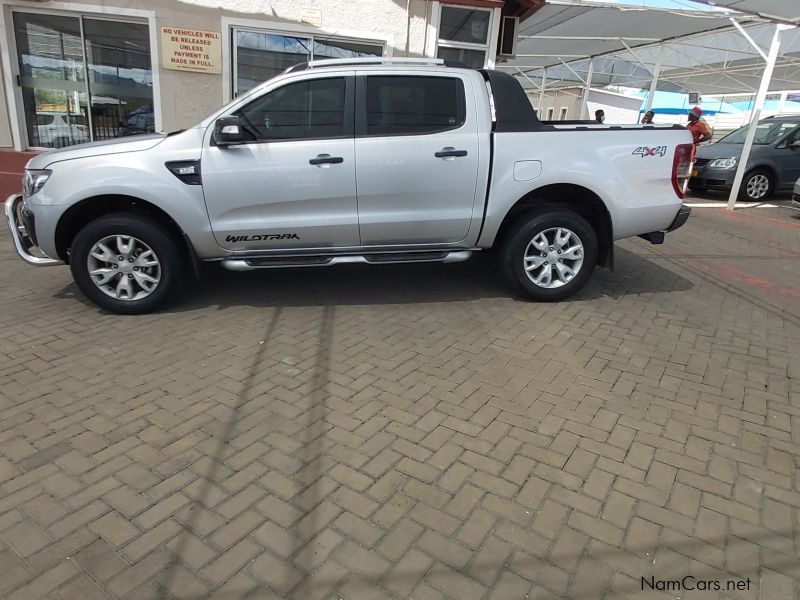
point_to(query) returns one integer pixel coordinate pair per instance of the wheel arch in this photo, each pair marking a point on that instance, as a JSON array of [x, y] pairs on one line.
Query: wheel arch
[[569, 196], [773, 173], [89, 209]]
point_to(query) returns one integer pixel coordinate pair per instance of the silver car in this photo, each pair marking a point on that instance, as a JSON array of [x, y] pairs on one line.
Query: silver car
[[368, 161]]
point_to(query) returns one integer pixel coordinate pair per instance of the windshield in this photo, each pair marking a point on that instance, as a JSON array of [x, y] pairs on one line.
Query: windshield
[[767, 132]]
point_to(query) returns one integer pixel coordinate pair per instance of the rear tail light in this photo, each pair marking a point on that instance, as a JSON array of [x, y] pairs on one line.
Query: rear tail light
[[682, 168]]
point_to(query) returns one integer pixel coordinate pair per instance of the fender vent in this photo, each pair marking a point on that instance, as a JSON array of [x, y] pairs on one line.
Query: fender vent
[[188, 171]]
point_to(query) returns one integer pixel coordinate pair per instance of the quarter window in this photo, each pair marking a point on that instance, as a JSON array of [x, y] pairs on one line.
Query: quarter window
[[399, 105], [303, 110]]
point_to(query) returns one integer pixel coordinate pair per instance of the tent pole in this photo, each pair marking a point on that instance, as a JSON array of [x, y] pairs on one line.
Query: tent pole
[[759, 104], [782, 102], [654, 82], [541, 93], [585, 99]]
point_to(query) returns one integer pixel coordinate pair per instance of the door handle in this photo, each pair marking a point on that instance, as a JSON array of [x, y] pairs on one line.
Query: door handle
[[326, 159], [449, 151]]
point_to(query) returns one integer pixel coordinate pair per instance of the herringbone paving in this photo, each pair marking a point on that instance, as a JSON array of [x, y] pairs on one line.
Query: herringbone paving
[[407, 432]]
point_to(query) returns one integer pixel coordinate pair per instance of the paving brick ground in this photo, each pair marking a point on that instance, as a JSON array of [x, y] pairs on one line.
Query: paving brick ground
[[395, 432]]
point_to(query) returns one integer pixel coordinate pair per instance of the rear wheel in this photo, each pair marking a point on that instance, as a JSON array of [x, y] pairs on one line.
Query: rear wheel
[[757, 185], [550, 255], [126, 263]]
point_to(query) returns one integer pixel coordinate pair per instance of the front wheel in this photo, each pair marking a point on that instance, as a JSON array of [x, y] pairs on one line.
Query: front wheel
[[126, 263], [757, 185], [550, 255]]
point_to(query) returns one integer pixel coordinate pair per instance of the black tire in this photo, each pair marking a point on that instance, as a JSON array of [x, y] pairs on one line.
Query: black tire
[[525, 230], [148, 230], [749, 177]]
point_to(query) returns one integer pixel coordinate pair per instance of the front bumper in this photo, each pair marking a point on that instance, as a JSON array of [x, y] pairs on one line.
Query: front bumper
[[712, 179], [796, 198], [21, 225]]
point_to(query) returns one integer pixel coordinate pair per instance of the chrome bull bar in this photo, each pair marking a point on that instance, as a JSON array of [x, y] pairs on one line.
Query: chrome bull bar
[[19, 234]]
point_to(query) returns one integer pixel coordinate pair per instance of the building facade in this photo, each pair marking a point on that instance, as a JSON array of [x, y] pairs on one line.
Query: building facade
[[566, 104], [102, 69]]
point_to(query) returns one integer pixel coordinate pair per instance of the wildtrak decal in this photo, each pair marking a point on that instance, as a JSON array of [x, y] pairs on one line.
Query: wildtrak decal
[[262, 238]]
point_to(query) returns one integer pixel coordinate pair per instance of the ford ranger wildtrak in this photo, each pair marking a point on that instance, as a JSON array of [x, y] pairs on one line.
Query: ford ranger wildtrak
[[371, 161]]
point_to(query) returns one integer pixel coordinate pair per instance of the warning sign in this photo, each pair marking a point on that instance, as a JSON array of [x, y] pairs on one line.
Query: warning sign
[[191, 50]]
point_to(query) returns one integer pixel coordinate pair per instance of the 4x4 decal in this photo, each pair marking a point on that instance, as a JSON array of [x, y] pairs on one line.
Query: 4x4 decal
[[645, 151]]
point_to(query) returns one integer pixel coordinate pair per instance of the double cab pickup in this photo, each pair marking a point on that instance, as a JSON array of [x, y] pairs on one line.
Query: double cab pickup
[[372, 161]]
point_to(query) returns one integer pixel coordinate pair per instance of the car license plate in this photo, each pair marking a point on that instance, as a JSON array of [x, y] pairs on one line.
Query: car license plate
[[694, 173]]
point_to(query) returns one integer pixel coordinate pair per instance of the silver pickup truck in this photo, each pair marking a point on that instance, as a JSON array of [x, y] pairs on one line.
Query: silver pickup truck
[[371, 161]]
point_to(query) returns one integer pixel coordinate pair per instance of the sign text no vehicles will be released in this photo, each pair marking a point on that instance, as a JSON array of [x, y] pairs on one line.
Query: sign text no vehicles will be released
[[191, 50]]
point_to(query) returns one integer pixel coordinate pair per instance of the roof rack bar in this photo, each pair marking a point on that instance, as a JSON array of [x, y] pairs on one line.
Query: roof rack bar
[[328, 62], [375, 60]]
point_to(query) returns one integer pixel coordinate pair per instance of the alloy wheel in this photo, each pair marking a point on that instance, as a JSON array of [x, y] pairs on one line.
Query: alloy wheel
[[553, 257], [124, 267], [757, 186]]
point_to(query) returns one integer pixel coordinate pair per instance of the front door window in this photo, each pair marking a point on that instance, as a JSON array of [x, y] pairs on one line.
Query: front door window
[[311, 109], [83, 79]]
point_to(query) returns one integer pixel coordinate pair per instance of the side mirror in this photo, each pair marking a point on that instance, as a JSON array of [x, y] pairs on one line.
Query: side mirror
[[795, 144], [228, 131]]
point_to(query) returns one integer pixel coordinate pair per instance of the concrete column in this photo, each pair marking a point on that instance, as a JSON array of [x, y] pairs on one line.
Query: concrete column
[[759, 104]]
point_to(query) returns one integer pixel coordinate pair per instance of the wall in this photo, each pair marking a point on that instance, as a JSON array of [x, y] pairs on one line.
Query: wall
[[186, 98], [619, 109], [556, 99], [6, 140], [384, 18]]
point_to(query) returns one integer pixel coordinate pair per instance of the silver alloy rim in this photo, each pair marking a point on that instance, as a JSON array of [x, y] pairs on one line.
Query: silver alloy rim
[[553, 257], [757, 186], [124, 267]]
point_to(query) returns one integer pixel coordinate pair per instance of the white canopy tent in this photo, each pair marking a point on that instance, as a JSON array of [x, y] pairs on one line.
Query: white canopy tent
[[744, 46], [779, 11]]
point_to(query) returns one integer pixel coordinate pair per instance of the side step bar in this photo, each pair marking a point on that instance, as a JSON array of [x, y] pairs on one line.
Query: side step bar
[[250, 264]]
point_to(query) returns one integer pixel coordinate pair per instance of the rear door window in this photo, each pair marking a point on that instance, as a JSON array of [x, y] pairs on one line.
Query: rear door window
[[409, 105]]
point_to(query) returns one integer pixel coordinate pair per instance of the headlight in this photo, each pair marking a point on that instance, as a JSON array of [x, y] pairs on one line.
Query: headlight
[[33, 181], [722, 163]]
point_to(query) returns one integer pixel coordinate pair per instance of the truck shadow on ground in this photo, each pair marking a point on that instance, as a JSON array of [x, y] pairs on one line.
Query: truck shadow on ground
[[666, 558], [354, 285], [475, 279]]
